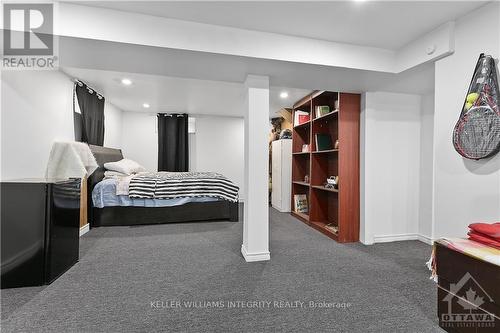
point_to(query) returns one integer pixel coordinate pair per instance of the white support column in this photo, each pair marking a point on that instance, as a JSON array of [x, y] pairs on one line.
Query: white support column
[[255, 245]]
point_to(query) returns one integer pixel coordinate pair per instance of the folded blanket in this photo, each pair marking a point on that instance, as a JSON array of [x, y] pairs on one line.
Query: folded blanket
[[122, 180], [491, 230], [480, 238], [123, 184], [114, 174], [168, 185]]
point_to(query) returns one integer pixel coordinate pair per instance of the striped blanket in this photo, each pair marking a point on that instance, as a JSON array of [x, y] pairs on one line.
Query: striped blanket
[[169, 185]]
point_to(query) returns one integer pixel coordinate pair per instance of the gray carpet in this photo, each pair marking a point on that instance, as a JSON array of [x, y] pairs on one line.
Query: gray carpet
[[383, 288]]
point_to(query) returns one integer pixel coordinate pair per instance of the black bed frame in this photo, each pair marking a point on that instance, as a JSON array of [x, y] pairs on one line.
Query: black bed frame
[[125, 216]]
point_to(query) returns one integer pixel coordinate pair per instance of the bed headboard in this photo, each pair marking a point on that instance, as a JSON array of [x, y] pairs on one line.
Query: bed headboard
[[102, 155]]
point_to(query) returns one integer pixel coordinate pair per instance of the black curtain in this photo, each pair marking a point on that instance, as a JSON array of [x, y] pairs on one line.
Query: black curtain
[[173, 149], [89, 126]]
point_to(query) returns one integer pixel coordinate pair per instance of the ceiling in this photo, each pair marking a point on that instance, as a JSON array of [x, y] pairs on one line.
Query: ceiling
[[212, 84], [383, 24], [154, 62], [173, 94], [201, 83]]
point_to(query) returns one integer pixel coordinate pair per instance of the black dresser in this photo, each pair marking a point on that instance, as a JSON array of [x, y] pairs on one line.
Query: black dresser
[[39, 230]]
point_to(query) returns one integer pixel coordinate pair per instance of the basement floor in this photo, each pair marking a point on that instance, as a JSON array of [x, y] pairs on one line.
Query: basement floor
[[191, 277]]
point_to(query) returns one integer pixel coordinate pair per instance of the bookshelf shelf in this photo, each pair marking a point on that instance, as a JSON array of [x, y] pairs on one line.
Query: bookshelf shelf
[[325, 151], [322, 188], [321, 227], [327, 116], [328, 207], [303, 125], [302, 216]]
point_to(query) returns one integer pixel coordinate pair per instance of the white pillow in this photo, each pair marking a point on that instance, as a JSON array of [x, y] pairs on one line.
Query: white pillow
[[125, 166]]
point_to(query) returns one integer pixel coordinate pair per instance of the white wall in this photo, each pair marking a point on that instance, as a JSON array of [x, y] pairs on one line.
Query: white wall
[[140, 139], [36, 111], [217, 145], [112, 126], [391, 162], [450, 192], [425, 225], [464, 190]]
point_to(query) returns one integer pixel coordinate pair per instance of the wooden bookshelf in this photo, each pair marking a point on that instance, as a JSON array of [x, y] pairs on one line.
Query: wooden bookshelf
[[305, 124], [331, 114], [301, 216], [322, 188], [328, 206], [321, 227], [325, 151]]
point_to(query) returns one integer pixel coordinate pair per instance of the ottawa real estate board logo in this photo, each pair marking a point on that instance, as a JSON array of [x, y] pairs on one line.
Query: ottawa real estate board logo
[[466, 305], [28, 36]]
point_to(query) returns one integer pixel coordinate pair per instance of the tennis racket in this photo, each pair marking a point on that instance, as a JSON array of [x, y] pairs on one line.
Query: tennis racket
[[477, 132]]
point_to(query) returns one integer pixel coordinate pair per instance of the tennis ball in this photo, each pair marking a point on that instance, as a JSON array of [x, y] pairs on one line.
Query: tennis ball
[[467, 106], [472, 98]]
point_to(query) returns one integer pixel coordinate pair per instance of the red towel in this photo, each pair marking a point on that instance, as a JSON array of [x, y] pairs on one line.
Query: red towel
[[490, 230], [480, 238]]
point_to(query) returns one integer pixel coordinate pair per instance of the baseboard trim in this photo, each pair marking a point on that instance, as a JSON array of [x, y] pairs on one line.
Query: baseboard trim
[[84, 229], [366, 242], [280, 210], [402, 237], [425, 239], [394, 238], [253, 257]]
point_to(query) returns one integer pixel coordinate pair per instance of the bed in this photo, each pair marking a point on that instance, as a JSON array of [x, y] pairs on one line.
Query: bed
[[468, 275], [122, 211]]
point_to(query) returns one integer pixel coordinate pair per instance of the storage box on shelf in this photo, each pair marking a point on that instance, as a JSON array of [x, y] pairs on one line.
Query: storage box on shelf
[[333, 116]]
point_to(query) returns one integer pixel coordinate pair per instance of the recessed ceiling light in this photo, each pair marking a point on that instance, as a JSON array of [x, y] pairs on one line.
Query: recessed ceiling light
[[145, 105], [126, 82], [283, 94]]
